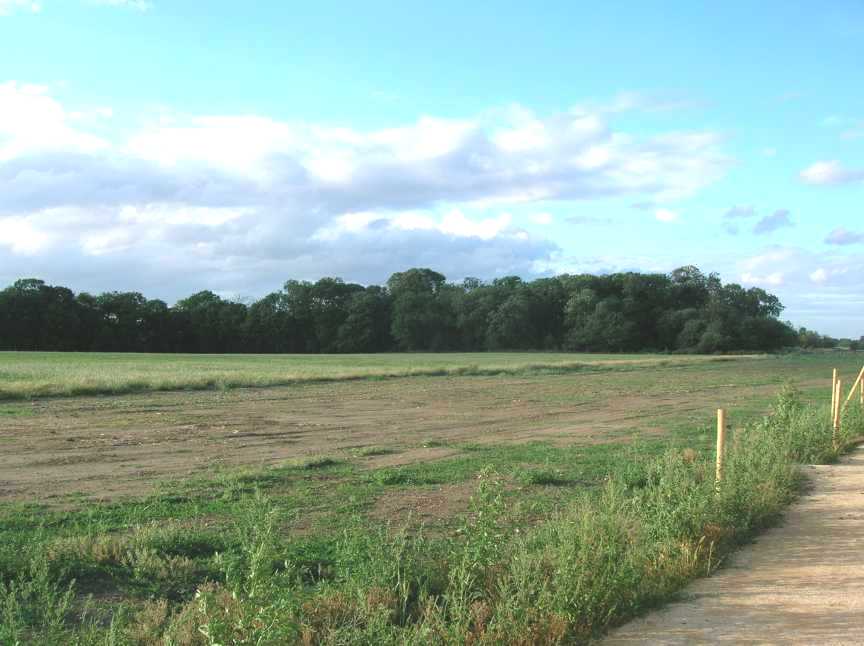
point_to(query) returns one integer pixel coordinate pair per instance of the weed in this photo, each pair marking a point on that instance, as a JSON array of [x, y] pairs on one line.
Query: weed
[[34, 603], [544, 477]]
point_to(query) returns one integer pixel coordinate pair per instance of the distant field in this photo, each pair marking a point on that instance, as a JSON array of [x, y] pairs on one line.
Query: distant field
[[39, 374]]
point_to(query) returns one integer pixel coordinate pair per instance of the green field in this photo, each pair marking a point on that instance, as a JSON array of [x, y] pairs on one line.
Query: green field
[[39, 374], [506, 498]]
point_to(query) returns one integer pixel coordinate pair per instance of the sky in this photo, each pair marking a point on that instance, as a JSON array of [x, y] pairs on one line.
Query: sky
[[171, 146]]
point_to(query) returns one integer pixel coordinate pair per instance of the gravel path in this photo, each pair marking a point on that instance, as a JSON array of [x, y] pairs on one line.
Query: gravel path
[[801, 583]]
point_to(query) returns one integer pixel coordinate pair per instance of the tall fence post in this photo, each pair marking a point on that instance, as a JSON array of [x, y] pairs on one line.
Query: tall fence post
[[721, 443]]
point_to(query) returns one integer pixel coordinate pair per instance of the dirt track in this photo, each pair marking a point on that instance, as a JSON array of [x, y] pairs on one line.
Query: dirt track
[[801, 583]]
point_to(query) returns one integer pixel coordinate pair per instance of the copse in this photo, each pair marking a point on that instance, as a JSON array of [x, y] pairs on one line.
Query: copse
[[417, 310]]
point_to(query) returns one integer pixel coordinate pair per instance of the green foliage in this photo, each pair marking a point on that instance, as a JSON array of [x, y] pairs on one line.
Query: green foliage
[[34, 603], [416, 311], [543, 477]]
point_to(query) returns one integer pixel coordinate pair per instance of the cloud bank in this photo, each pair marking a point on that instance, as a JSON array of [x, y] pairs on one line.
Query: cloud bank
[[243, 202]]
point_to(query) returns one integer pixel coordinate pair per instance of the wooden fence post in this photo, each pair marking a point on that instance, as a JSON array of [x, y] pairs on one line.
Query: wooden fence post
[[855, 383], [836, 420], [721, 443]]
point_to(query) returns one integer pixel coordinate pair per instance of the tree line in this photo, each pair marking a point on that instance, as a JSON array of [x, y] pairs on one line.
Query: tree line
[[417, 310]]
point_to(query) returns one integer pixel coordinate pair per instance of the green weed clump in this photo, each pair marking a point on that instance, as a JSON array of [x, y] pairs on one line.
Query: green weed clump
[[609, 554]]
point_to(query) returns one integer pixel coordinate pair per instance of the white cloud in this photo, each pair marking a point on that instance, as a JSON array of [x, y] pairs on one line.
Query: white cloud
[[22, 236], [819, 276], [797, 268], [523, 160], [774, 279], [32, 122], [240, 145], [455, 223], [665, 215], [432, 160], [7, 7], [542, 219], [528, 133], [772, 256], [826, 173], [451, 223]]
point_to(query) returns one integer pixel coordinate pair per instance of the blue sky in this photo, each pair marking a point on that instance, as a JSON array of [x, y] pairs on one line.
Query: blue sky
[[173, 146]]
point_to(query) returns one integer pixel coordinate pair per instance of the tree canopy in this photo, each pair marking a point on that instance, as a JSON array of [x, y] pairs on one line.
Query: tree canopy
[[417, 310]]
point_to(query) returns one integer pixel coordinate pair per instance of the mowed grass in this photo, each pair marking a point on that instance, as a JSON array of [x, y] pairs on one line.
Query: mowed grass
[[26, 375]]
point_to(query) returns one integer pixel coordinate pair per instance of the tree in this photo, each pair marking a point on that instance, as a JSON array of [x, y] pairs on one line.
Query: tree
[[418, 310], [418, 317], [214, 325], [366, 327], [298, 304], [120, 322], [269, 326], [329, 301], [511, 326]]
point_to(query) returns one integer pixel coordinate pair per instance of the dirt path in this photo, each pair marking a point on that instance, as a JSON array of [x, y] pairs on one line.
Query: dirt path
[[801, 583]]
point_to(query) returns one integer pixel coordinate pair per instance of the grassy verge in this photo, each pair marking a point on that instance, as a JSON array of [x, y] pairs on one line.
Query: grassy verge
[[155, 573]]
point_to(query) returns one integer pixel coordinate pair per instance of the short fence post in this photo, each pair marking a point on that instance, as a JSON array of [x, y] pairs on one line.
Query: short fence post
[[721, 443], [836, 421], [833, 393]]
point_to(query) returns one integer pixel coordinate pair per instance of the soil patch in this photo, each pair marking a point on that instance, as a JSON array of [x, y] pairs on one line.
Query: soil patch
[[114, 447]]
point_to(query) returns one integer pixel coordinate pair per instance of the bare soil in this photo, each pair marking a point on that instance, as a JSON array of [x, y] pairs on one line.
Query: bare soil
[[110, 447], [425, 504], [800, 583]]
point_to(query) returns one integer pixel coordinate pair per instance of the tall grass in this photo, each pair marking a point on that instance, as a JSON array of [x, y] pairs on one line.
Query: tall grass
[[613, 553]]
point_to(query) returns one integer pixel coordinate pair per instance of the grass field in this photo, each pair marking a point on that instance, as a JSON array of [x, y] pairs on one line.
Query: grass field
[[540, 504], [40, 374]]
